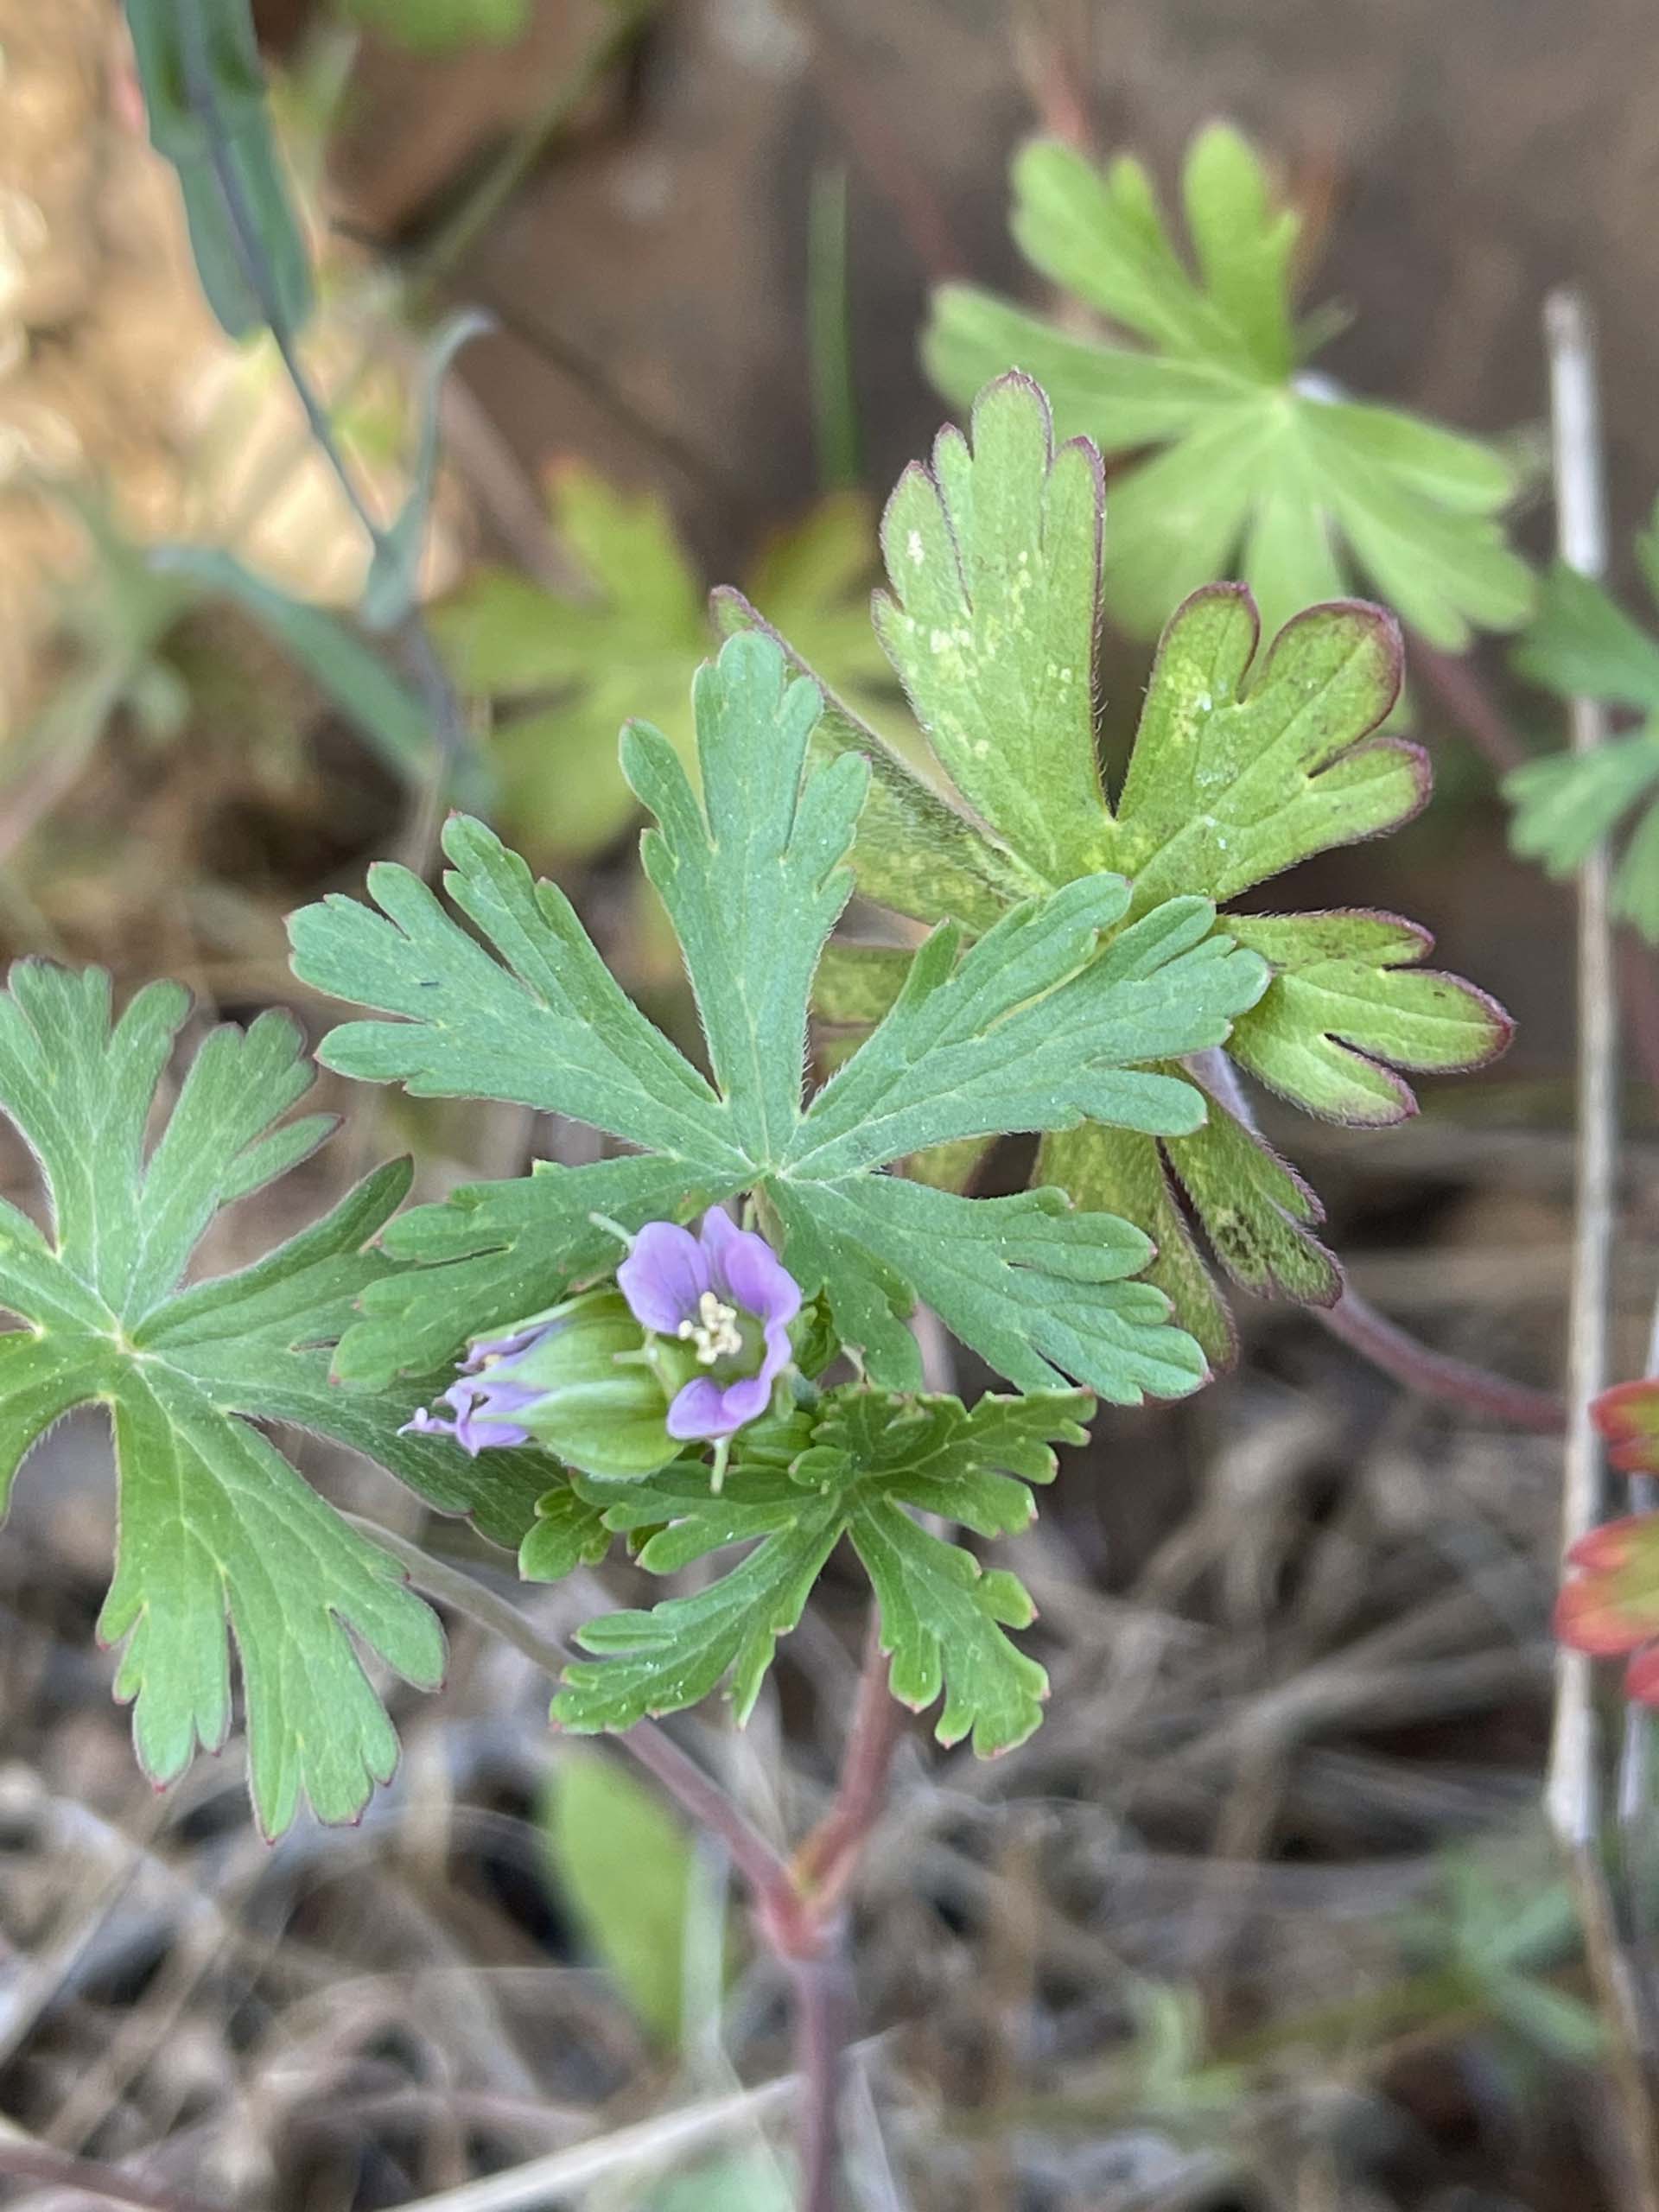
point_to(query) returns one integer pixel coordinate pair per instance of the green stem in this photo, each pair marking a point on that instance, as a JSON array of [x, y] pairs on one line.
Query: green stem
[[448, 727]]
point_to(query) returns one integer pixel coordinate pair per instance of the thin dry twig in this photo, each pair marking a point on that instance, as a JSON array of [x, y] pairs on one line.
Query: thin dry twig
[[651, 2143], [1573, 1788]]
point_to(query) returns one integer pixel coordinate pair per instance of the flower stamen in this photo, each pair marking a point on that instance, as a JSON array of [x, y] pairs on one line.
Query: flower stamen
[[715, 1334]]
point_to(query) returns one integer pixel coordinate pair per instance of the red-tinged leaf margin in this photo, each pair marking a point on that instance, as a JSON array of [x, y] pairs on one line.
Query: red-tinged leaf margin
[[1256, 671], [1388, 1070], [1609, 1607], [1628, 1416]]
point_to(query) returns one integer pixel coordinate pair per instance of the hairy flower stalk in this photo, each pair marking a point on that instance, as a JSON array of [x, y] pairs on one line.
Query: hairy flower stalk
[[686, 1349]]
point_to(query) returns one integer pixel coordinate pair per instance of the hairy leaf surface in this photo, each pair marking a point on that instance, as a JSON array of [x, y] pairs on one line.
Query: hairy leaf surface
[[218, 1532], [1030, 1028], [1244, 763]]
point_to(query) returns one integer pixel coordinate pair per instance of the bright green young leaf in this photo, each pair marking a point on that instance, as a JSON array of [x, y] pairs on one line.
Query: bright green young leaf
[[569, 1532], [862, 1467], [1253, 465], [567, 672], [682, 1650], [217, 1531], [1243, 766], [751, 873], [1582, 644], [205, 95], [625, 1865]]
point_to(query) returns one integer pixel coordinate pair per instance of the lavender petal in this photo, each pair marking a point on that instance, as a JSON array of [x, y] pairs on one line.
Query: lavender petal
[[748, 1270], [664, 1276]]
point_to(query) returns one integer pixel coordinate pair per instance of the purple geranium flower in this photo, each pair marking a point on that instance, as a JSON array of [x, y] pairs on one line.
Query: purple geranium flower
[[725, 1293], [485, 1395]]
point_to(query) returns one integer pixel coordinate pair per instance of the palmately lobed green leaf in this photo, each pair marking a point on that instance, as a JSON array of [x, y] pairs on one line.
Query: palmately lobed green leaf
[[1581, 642], [915, 852], [1245, 763], [1036, 1027], [544, 1025], [1350, 1004], [1032, 1028], [217, 1531], [861, 1466], [752, 875], [1261, 469], [1240, 771], [1041, 1291], [682, 1650]]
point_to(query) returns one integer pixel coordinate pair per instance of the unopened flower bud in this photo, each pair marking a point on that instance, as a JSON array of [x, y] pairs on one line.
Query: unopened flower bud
[[582, 1380]]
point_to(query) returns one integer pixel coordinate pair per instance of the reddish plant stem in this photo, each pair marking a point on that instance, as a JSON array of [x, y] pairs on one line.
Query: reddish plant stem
[[702, 1800], [1358, 1324], [1458, 683], [823, 1990], [796, 1905], [697, 1794], [1435, 1374], [828, 1860]]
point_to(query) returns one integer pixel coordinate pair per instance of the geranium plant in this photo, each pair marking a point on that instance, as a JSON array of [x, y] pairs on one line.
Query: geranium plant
[[703, 1344]]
